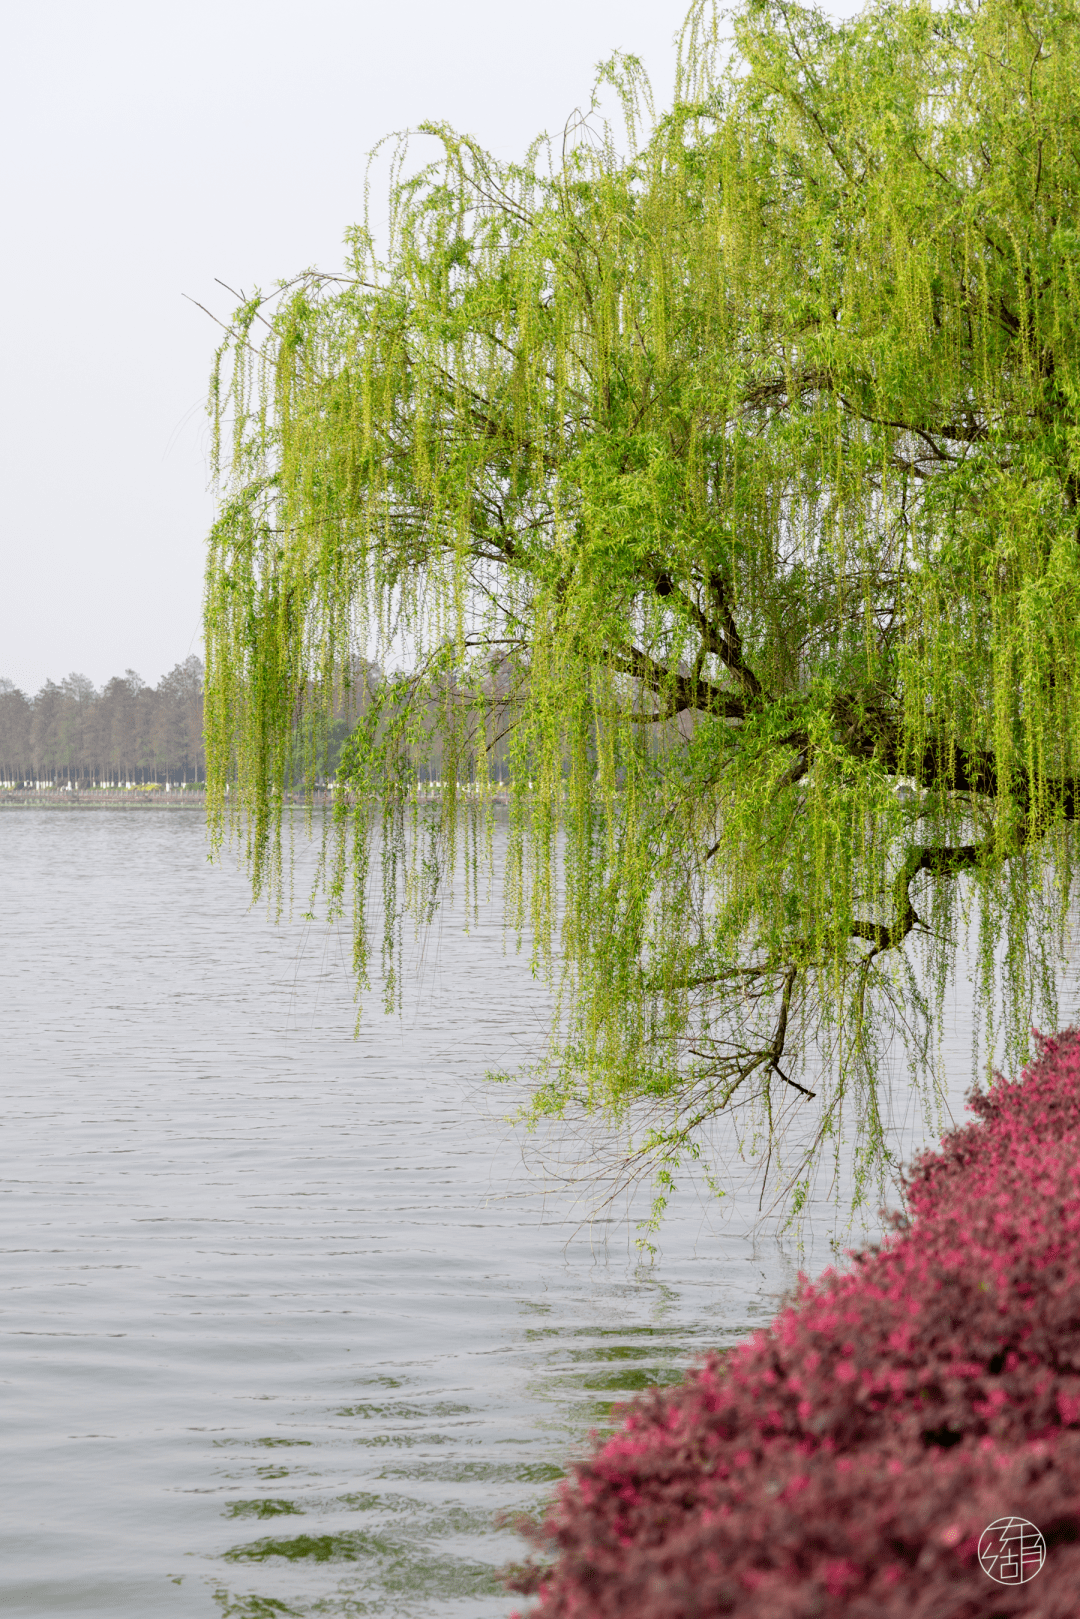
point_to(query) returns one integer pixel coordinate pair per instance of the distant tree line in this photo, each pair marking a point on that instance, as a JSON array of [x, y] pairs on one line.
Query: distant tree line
[[126, 732], [129, 732]]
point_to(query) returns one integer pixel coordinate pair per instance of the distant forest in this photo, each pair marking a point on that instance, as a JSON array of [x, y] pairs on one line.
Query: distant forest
[[129, 733], [126, 732]]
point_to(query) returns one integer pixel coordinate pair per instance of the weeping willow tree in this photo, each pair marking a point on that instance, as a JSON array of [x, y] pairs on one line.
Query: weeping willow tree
[[723, 479]]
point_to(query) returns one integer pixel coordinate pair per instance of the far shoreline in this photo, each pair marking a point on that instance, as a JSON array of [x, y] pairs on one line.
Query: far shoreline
[[103, 797]]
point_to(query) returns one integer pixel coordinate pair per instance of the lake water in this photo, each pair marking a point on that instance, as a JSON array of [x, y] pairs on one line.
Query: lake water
[[286, 1318]]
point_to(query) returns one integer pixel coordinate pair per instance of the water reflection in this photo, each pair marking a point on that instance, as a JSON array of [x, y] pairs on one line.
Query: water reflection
[[439, 1467]]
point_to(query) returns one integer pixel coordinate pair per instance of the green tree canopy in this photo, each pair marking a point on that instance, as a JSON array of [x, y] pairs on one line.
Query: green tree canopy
[[729, 483]]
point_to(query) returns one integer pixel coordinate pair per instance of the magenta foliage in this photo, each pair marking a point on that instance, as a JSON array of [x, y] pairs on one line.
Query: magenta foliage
[[845, 1460]]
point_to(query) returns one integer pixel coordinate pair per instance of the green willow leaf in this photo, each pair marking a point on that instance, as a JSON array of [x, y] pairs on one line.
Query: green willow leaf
[[724, 496]]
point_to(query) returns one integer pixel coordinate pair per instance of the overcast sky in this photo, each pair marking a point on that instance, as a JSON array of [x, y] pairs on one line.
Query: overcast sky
[[150, 148]]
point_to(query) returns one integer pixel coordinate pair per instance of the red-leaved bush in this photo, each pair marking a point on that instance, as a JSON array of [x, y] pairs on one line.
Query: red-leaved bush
[[845, 1460]]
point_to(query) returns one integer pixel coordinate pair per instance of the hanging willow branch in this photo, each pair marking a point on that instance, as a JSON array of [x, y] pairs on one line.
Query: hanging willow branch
[[728, 492]]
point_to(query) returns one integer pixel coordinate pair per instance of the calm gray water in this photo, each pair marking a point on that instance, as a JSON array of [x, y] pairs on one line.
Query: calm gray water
[[285, 1321]]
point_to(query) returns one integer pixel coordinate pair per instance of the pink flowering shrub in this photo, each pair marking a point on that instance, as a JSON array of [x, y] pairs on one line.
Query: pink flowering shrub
[[845, 1460]]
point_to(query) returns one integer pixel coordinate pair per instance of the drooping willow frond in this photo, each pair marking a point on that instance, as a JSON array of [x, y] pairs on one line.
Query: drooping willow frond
[[725, 494]]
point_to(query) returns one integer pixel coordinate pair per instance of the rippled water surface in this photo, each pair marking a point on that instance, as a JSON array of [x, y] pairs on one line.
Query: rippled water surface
[[285, 1320]]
